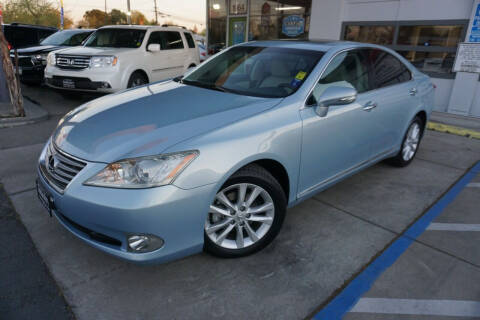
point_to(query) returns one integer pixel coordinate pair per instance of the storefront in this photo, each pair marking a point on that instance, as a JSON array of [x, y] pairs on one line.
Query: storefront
[[236, 21], [425, 32]]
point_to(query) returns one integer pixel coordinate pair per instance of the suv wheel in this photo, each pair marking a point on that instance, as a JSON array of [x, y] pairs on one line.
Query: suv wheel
[[246, 214], [137, 79]]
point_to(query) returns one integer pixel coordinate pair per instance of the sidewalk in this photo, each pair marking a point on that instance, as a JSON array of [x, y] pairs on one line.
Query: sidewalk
[[455, 124]]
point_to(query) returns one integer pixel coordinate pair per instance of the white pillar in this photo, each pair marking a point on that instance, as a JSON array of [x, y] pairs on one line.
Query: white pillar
[[462, 98], [326, 19]]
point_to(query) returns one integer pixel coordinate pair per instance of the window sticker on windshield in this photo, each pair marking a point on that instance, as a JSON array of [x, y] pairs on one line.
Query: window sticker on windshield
[[300, 75], [295, 83]]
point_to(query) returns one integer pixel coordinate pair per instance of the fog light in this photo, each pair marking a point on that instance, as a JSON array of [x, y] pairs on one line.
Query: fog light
[[143, 243], [106, 85]]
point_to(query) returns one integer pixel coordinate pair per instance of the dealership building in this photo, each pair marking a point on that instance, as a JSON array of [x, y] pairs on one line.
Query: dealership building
[[425, 32]]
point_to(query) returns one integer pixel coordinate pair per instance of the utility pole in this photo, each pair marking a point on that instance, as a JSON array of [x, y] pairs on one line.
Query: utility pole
[[129, 13], [156, 11], [106, 12]]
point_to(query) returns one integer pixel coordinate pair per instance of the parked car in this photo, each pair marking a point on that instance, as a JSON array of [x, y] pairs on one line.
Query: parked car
[[32, 60], [24, 35], [202, 51], [119, 57], [212, 160]]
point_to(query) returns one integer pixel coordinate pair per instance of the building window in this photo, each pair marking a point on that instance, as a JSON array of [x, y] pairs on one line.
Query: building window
[[217, 25], [371, 34], [429, 45], [283, 19]]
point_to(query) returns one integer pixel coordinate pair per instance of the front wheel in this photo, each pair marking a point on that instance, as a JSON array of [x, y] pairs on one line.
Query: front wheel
[[410, 144], [137, 79], [246, 214]]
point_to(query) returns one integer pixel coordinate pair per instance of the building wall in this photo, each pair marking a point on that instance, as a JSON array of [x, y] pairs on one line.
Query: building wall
[[328, 15]]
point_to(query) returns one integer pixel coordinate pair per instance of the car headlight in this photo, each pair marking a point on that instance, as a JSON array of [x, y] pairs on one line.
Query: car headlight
[[39, 58], [144, 172], [103, 61], [51, 61]]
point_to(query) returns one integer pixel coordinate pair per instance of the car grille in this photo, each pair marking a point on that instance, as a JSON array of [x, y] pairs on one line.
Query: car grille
[[60, 168], [72, 62]]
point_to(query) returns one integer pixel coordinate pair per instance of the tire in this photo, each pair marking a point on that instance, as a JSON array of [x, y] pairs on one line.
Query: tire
[[137, 79], [257, 229], [410, 144]]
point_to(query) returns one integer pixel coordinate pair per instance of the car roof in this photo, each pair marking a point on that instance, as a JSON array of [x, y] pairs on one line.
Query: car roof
[[144, 27], [316, 45], [16, 24]]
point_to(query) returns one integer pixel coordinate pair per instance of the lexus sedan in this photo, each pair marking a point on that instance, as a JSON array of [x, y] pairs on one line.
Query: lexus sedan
[[213, 159]]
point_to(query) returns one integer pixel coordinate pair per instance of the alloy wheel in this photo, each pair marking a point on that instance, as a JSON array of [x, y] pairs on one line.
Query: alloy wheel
[[240, 215], [410, 144]]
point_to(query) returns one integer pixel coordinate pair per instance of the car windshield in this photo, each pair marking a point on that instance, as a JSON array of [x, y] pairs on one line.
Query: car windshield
[[66, 38], [116, 38], [256, 71]]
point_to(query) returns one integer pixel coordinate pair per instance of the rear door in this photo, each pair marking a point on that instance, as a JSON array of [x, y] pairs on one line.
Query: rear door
[[176, 51], [159, 62], [193, 54], [395, 98]]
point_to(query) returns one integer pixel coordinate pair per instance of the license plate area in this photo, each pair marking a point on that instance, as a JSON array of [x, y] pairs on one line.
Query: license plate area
[[45, 198], [68, 83]]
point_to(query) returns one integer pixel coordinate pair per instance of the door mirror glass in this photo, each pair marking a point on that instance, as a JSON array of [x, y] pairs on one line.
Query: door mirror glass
[[334, 96], [153, 47]]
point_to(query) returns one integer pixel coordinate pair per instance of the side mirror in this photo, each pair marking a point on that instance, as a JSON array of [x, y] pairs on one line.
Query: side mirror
[[153, 47], [334, 96]]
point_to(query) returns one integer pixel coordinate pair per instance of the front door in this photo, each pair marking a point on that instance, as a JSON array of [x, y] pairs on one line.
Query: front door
[[338, 143], [237, 30]]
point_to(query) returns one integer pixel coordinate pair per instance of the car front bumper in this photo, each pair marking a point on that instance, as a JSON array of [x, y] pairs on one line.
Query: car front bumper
[[103, 217], [101, 80]]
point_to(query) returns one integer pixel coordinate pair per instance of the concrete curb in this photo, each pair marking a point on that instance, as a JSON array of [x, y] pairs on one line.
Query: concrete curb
[[459, 131], [33, 113]]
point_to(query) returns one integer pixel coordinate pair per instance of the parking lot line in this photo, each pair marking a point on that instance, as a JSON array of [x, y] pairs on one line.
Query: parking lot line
[[474, 185], [349, 296], [452, 308], [437, 226]]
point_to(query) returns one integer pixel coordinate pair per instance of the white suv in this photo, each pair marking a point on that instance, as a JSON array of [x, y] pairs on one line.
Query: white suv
[[119, 57]]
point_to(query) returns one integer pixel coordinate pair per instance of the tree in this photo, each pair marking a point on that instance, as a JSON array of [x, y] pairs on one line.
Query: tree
[[39, 12], [117, 17], [95, 18], [138, 17]]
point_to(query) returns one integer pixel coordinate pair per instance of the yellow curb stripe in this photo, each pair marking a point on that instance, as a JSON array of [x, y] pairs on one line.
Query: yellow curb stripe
[[459, 131]]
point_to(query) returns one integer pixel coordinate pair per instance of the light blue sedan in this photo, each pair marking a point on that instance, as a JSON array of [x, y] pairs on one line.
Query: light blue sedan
[[212, 160]]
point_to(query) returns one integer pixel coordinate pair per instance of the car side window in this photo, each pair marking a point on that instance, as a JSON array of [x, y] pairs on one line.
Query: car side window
[[173, 40], [347, 69], [155, 37], [387, 70], [188, 36]]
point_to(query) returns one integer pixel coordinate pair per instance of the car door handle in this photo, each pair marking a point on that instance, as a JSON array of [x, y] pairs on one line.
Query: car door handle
[[369, 106], [412, 91]]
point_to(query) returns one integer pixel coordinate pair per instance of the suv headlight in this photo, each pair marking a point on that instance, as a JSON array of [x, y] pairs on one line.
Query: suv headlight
[[144, 172], [51, 61], [103, 61], [39, 58]]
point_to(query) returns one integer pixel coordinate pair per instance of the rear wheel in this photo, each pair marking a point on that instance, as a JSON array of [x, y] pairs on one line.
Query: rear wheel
[[410, 144], [246, 214], [137, 79]]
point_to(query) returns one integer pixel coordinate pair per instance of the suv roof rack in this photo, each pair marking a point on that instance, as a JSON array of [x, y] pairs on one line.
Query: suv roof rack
[[173, 25]]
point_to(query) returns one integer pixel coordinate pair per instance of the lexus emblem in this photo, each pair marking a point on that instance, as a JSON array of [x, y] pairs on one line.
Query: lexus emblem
[[52, 163]]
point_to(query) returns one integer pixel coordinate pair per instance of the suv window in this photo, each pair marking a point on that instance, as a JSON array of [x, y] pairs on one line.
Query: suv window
[[387, 70], [167, 39], [347, 69], [191, 43], [19, 36]]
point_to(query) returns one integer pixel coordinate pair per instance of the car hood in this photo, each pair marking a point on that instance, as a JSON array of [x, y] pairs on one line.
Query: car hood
[[148, 120], [92, 51], [37, 49]]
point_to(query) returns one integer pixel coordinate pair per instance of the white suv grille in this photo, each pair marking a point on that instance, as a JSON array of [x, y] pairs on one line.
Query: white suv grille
[[72, 62]]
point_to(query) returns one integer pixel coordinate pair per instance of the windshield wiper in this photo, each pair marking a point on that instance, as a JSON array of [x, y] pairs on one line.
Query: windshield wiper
[[206, 85]]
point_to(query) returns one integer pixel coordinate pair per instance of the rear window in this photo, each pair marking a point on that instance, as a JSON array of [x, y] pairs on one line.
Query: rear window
[[387, 70], [19, 37], [173, 40], [191, 43]]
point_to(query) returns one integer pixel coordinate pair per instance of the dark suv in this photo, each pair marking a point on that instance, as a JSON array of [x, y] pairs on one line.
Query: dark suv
[[25, 35]]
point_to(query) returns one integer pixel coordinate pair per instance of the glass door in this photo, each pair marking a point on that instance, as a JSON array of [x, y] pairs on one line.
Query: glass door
[[237, 32]]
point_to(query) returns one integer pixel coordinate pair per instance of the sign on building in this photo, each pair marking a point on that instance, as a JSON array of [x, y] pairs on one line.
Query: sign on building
[[293, 26], [474, 34], [468, 58]]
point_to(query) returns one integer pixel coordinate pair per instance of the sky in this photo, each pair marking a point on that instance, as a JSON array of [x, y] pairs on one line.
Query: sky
[[183, 12]]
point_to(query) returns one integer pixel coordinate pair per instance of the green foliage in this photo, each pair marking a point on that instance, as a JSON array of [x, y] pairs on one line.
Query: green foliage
[[39, 12]]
